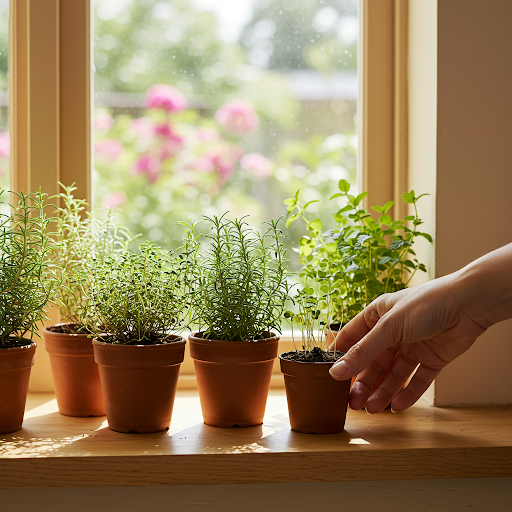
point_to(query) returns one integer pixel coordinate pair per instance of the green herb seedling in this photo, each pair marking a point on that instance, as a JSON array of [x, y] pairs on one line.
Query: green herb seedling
[[138, 299], [28, 277], [240, 280], [81, 239], [359, 259]]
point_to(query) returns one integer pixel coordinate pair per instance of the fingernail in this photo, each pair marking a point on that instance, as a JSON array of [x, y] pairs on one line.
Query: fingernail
[[339, 370], [367, 411], [393, 411]]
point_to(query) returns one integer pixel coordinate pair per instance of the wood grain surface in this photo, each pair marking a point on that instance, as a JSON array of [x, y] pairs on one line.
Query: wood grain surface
[[424, 442]]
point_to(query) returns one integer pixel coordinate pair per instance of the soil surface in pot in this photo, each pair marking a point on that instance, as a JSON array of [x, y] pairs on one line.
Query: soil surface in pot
[[68, 329], [212, 336], [317, 355], [153, 339], [15, 342]]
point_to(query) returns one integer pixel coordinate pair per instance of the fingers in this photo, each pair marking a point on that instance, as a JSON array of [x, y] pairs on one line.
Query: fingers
[[420, 382], [385, 334], [391, 383], [368, 379]]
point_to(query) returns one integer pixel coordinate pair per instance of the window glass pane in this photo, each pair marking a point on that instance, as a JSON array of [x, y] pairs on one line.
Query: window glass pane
[[207, 106], [4, 96]]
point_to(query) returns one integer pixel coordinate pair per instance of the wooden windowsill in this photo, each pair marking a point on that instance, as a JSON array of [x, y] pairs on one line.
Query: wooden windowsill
[[424, 442]]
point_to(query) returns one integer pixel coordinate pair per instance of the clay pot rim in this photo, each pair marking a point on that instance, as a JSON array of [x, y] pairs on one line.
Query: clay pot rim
[[197, 339], [178, 340], [304, 362], [65, 334], [32, 344]]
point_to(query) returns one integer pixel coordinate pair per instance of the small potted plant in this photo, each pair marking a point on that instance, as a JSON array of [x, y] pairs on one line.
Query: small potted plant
[[138, 302], [27, 285], [80, 239], [240, 288], [317, 403], [361, 258]]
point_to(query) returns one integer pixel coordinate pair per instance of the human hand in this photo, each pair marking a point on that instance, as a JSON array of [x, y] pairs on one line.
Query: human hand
[[424, 327]]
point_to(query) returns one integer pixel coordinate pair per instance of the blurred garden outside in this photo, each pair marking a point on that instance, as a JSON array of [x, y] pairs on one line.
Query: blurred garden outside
[[204, 107]]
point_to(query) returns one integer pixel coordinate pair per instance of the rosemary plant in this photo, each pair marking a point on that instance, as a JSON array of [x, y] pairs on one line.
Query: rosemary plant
[[81, 238], [138, 299], [361, 258], [28, 277], [240, 280]]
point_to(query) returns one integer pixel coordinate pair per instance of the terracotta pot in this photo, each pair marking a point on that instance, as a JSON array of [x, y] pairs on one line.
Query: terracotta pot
[[233, 378], [139, 383], [316, 402], [75, 374], [15, 365]]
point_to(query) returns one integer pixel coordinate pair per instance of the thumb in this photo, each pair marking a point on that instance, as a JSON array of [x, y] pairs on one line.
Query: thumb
[[382, 336]]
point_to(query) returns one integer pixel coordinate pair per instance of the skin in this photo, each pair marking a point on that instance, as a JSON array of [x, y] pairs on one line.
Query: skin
[[425, 327]]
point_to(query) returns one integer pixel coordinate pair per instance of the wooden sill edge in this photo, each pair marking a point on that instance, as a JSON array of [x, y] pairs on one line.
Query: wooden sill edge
[[292, 457], [90, 471]]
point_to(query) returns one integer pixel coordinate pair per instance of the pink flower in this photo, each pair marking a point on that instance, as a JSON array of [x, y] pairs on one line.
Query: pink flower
[[172, 143], [114, 200], [103, 121], [164, 130], [148, 166], [143, 127], [203, 164], [165, 97], [222, 158], [237, 116], [5, 145], [109, 149], [256, 165], [207, 135]]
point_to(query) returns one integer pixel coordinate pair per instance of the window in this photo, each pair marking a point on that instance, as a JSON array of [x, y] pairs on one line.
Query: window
[[50, 100], [203, 107]]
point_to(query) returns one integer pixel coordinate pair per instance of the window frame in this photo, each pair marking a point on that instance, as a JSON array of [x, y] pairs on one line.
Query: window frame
[[51, 75]]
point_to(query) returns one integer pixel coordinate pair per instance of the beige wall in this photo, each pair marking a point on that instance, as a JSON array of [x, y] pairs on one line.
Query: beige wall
[[461, 152]]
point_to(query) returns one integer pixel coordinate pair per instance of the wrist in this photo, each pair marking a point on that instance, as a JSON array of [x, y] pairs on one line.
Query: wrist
[[484, 288]]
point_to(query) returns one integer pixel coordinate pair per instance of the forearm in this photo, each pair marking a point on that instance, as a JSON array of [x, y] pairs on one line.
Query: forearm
[[486, 284]]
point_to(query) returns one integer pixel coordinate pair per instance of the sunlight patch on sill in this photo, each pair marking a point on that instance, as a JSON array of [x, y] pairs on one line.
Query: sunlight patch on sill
[[102, 426], [25, 447], [358, 440], [43, 409]]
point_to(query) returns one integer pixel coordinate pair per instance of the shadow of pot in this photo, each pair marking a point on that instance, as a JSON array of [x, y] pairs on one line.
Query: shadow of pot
[[15, 366], [139, 383], [316, 402], [233, 378], [75, 373]]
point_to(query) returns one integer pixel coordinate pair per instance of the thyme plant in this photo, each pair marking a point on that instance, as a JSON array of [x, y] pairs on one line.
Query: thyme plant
[[28, 278], [359, 259], [138, 298], [240, 280], [81, 238]]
